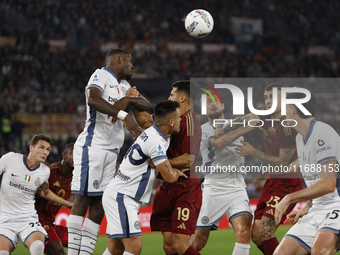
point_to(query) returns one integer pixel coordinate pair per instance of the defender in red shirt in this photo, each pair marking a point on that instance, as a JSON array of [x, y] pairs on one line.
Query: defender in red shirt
[[177, 205], [60, 184], [280, 150]]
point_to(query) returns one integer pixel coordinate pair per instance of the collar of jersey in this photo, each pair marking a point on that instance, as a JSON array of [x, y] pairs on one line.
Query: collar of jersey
[[106, 69], [158, 130], [25, 163], [310, 130]]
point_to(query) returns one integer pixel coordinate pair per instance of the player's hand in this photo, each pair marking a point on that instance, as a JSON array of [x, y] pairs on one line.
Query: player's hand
[[244, 150], [281, 209], [132, 92], [69, 204], [114, 120], [294, 216], [43, 189], [218, 132], [255, 119], [181, 172], [132, 126]]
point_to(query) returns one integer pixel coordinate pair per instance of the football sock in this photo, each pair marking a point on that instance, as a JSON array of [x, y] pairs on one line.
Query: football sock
[[89, 234], [37, 248], [106, 252], [241, 249], [74, 233], [127, 253], [191, 251], [270, 245], [261, 248], [172, 254], [4, 253]]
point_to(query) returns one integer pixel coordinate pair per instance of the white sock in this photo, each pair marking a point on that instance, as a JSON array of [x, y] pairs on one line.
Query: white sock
[[7, 253], [74, 233], [241, 249], [127, 253], [106, 252], [89, 234], [37, 248]]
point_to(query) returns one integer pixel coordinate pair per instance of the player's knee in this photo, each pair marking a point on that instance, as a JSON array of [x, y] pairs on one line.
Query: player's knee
[[256, 238], [318, 251], [198, 243], [167, 247], [37, 248], [243, 234], [55, 249]]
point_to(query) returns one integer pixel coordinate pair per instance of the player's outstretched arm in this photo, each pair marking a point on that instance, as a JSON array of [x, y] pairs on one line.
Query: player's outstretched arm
[[229, 137], [143, 118], [185, 160], [325, 185], [283, 159], [170, 174], [51, 196]]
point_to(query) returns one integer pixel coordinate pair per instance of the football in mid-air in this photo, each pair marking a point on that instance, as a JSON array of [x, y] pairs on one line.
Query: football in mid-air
[[199, 23]]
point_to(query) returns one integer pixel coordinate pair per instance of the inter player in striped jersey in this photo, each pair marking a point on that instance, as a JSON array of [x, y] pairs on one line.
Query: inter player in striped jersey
[[280, 149], [134, 180], [177, 205], [97, 147], [59, 184], [20, 178]]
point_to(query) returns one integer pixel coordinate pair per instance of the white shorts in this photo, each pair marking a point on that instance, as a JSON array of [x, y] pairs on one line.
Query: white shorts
[[93, 170], [122, 215], [217, 202], [15, 229], [307, 228]]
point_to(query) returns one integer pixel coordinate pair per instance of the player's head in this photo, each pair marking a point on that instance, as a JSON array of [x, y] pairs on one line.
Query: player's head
[[68, 155], [291, 109], [120, 61], [40, 147], [268, 96], [168, 113], [214, 110], [183, 91]]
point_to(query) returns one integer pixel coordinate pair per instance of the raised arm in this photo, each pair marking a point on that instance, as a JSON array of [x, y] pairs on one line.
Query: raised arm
[[143, 118]]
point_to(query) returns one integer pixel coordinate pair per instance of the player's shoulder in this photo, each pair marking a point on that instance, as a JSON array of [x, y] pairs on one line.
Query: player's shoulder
[[325, 130], [11, 155], [54, 167]]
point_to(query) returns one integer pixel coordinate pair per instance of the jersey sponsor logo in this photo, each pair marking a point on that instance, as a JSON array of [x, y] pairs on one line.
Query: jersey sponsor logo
[[321, 142], [325, 148], [205, 220], [27, 178], [23, 188], [37, 182], [122, 176], [113, 100], [136, 225], [160, 151], [181, 226], [95, 78], [96, 184]]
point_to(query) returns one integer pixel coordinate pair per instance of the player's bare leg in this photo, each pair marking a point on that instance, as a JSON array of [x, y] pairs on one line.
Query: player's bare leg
[[180, 243], [36, 243], [114, 247], [167, 243], [326, 243], [267, 235], [255, 235], [5, 245], [289, 246], [133, 244], [200, 238], [241, 226], [55, 248]]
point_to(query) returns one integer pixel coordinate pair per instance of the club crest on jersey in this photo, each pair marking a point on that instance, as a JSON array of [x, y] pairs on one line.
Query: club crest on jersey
[[95, 78], [37, 182], [160, 151]]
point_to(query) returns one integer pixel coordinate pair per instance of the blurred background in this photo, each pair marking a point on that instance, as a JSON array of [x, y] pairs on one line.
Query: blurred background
[[49, 49]]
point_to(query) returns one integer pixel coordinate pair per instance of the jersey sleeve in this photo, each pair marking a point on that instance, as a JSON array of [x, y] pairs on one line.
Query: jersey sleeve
[[157, 151], [97, 80], [326, 145], [3, 161]]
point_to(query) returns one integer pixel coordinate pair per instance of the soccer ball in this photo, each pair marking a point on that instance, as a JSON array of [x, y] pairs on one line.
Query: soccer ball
[[199, 23]]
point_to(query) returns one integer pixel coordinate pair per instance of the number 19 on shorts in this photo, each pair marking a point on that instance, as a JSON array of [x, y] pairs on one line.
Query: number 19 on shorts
[[183, 213]]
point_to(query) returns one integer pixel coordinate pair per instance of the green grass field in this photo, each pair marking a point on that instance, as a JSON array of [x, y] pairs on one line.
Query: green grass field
[[220, 242]]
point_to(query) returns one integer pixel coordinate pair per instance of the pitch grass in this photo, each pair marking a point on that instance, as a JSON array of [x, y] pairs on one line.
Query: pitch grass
[[220, 242]]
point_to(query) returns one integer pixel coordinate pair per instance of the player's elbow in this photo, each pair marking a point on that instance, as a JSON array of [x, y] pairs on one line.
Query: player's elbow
[[330, 186]]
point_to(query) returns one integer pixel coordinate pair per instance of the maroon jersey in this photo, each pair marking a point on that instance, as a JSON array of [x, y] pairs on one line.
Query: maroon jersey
[[187, 140], [61, 186]]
